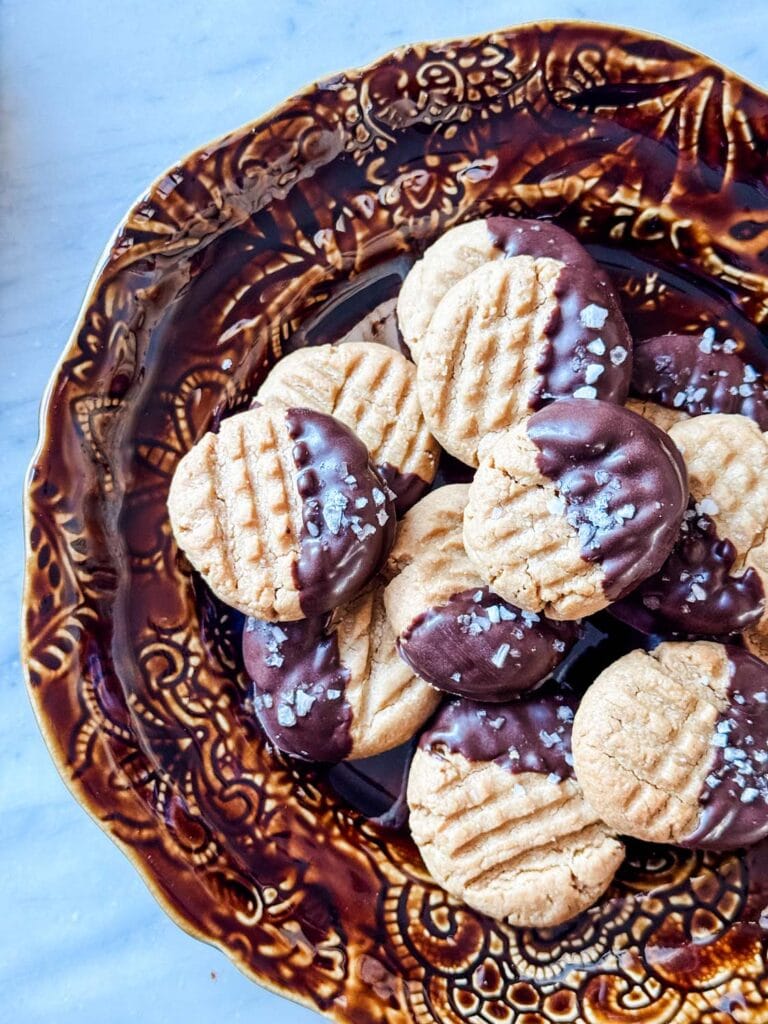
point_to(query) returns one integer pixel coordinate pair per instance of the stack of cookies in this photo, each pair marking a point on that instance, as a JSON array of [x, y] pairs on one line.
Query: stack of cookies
[[377, 602]]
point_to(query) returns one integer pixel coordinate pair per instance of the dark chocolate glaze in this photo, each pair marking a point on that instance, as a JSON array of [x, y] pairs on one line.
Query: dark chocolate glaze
[[298, 687], [697, 375], [695, 593], [478, 646], [582, 287], [342, 545], [528, 735], [408, 488], [734, 802], [623, 482]]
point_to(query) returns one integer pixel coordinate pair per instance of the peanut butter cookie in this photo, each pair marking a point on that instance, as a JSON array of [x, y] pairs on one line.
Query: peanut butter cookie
[[372, 389], [282, 512], [499, 817], [333, 687], [672, 746], [713, 582], [451, 629], [573, 509]]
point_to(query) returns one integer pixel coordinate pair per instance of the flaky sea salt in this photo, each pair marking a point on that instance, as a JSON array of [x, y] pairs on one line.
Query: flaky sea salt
[[593, 316], [333, 510], [378, 496], [707, 340], [618, 355], [596, 347], [500, 655], [286, 716], [592, 372], [585, 392], [549, 739], [304, 702], [556, 505], [707, 507]]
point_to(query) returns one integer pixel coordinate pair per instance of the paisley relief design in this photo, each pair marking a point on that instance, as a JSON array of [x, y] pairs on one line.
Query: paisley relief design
[[300, 222]]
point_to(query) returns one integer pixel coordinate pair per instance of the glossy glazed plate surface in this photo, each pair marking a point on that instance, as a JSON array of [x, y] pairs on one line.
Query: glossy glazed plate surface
[[289, 231]]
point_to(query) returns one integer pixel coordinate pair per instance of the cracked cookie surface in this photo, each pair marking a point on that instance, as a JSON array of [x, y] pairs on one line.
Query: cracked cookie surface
[[334, 687], [671, 746], [498, 817], [372, 389], [281, 512], [574, 508]]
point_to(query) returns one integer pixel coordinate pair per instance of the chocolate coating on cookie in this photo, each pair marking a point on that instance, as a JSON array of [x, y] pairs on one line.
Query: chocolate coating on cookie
[[694, 593], [408, 488], [734, 802], [347, 514], [478, 646], [622, 481], [695, 375], [298, 686], [590, 346], [528, 735]]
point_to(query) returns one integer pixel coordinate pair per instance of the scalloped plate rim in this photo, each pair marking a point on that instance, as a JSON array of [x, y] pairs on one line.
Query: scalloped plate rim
[[131, 853]]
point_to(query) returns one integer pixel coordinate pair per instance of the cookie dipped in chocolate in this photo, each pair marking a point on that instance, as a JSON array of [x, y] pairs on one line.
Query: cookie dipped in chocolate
[[347, 512], [734, 802], [532, 734], [697, 375], [695, 593], [408, 488], [479, 646], [298, 687], [589, 351], [623, 484]]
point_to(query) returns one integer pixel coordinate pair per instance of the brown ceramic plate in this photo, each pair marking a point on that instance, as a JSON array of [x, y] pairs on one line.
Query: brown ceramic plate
[[289, 231]]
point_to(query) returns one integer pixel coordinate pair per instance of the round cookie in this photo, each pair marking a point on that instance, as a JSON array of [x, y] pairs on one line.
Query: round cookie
[[672, 746], [540, 324], [466, 247], [451, 629], [498, 816], [372, 389], [282, 512], [713, 582], [727, 462], [573, 509], [333, 687], [692, 375]]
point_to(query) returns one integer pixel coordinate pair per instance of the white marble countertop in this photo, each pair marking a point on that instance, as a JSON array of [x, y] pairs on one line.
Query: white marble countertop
[[98, 98]]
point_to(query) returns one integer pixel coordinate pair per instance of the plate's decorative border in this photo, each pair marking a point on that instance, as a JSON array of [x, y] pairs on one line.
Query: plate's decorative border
[[208, 816]]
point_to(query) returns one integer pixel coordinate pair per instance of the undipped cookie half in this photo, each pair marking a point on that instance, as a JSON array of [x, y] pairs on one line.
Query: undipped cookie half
[[372, 389], [498, 816], [282, 512], [672, 746]]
